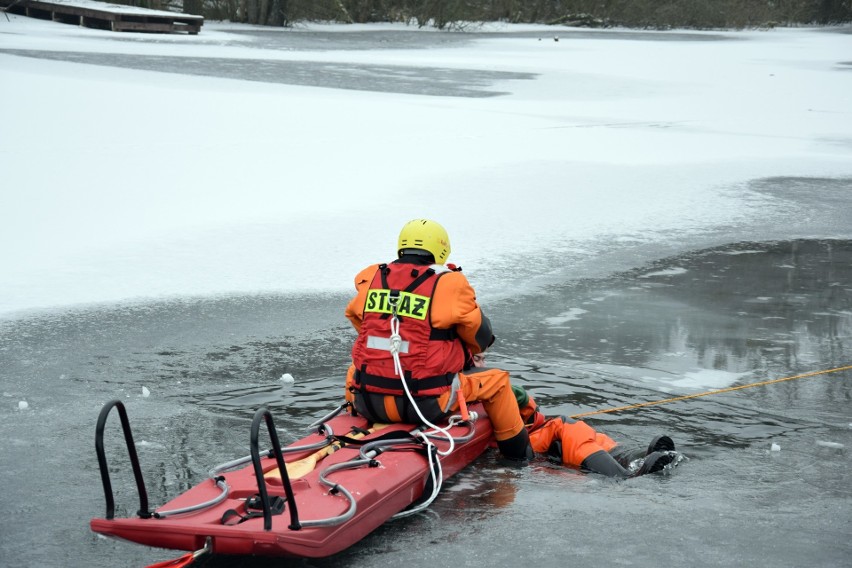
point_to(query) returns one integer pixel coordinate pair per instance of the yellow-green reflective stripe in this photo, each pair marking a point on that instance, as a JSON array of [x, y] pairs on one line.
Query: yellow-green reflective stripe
[[408, 304]]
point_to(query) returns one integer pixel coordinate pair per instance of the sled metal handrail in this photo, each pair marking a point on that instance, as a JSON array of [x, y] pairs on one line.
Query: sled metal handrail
[[228, 466], [219, 482], [134, 460], [262, 415]]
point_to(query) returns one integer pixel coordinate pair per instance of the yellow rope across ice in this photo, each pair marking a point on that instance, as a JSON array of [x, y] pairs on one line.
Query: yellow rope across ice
[[718, 391]]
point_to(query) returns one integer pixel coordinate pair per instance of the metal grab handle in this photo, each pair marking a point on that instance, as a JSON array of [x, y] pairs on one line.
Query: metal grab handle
[[134, 460], [261, 415]]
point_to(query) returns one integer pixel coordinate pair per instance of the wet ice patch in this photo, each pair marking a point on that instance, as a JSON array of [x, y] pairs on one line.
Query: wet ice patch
[[739, 252], [463, 485], [674, 271], [565, 317], [706, 379]]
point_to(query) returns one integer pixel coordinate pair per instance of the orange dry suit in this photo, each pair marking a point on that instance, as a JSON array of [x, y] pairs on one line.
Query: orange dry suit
[[574, 441], [576, 444], [440, 326]]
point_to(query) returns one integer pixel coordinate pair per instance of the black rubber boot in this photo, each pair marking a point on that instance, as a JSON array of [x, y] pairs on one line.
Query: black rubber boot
[[516, 450], [655, 462], [625, 457], [603, 463], [661, 444]]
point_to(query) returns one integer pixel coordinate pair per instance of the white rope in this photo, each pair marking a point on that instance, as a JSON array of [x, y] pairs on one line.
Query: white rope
[[437, 479], [395, 343], [435, 468]]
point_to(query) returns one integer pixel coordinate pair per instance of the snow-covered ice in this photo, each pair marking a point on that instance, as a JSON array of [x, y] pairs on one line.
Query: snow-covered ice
[[121, 184]]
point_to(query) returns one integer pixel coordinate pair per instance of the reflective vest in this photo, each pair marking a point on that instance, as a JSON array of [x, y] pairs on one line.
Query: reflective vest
[[430, 357]]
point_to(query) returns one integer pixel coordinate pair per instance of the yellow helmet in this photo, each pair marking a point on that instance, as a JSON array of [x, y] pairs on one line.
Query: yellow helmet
[[423, 234]]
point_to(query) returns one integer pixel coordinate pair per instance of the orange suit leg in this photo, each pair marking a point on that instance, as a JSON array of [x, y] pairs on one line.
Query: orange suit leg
[[493, 388], [579, 440], [541, 438]]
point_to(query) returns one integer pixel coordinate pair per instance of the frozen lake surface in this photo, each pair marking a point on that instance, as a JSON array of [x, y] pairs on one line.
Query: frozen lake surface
[[642, 214]]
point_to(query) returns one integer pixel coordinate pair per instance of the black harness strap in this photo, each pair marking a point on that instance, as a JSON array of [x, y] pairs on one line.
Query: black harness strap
[[418, 280], [384, 271], [253, 509], [428, 485], [367, 398], [438, 334], [414, 385], [404, 406]]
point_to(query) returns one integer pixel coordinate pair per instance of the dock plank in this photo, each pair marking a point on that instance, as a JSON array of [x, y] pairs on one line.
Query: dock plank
[[106, 16]]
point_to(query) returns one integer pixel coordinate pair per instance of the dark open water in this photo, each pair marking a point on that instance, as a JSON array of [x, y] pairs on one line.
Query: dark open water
[[740, 313]]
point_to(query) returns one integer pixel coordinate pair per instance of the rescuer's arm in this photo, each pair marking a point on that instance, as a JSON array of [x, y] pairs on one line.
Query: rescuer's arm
[[454, 304], [355, 308]]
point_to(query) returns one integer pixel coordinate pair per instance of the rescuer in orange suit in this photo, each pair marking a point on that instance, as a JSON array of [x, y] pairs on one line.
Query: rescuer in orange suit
[[576, 444], [417, 319]]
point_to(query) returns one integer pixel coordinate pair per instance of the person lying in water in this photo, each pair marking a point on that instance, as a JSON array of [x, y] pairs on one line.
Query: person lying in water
[[576, 444]]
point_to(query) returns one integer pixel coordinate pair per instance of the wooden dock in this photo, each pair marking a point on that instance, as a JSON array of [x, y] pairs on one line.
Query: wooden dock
[[105, 16]]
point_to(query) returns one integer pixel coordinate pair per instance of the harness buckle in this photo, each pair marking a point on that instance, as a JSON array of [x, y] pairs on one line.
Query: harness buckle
[[393, 300]]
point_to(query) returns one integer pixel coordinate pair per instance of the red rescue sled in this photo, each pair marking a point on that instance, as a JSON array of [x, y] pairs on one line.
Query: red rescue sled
[[364, 475]]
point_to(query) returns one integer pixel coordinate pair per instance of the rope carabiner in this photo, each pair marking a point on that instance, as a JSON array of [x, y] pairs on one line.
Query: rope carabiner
[[395, 338]]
